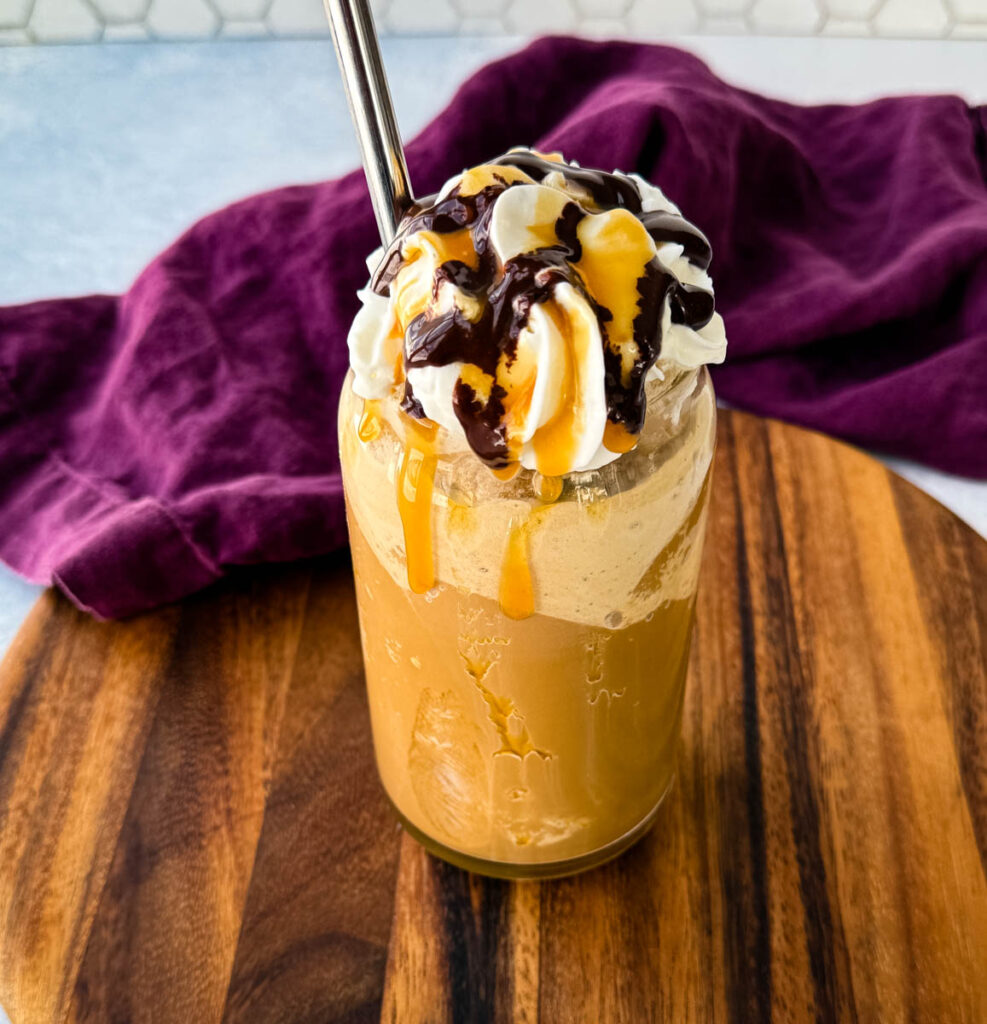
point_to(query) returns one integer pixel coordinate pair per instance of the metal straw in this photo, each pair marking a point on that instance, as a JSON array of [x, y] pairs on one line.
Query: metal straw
[[369, 98]]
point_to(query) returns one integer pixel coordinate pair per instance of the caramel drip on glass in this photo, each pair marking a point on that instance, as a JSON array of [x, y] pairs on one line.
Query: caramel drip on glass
[[547, 488], [507, 472], [415, 478], [618, 439], [618, 253], [369, 426], [554, 443], [517, 592]]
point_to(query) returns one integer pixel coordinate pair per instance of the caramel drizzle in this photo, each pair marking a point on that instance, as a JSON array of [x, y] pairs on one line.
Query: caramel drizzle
[[618, 439], [517, 591], [369, 426], [415, 481]]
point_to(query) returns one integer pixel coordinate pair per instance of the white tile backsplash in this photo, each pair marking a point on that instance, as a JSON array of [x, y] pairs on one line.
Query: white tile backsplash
[[974, 10], [182, 19], [927, 18], [786, 17], [59, 21], [297, 18], [420, 15], [14, 13], [122, 10], [240, 10], [538, 16], [243, 29], [648, 19], [846, 27], [852, 9], [43, 21]]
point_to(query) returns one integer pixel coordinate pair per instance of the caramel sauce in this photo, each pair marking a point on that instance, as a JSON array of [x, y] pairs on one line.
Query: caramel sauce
[[618, 439], [422, 254], [370, 425], [517, 592], [415, 478], [616, 251], [480, 382], [507, 472], [476, 179], [547, 488], [454, 245], [554, 442], [444, 246]]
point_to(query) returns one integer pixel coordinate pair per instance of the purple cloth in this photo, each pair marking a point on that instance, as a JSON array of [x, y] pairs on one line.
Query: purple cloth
[[149, 442]]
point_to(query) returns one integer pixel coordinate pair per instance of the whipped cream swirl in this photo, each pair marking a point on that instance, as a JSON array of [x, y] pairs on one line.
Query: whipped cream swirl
[[526, 305]]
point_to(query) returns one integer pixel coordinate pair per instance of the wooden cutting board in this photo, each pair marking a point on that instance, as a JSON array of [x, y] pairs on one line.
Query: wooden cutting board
[[191, 829]]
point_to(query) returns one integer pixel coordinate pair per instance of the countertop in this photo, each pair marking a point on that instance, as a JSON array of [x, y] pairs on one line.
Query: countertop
[[110, 151]]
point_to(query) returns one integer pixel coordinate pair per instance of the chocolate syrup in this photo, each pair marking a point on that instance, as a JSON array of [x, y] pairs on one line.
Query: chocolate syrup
[[507, 293], [612, 190]]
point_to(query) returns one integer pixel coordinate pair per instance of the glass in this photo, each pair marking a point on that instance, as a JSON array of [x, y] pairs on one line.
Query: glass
[[526, 701]]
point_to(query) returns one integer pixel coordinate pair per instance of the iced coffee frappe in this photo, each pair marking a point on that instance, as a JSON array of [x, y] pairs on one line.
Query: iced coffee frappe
[[526, 436]]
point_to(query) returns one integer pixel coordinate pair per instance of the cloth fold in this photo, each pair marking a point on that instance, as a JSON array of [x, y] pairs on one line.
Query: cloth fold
[[151, 441]]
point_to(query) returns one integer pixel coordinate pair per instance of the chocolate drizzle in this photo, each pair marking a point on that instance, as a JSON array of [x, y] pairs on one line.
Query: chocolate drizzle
[[609, 191], [483, 423], [505, 294]]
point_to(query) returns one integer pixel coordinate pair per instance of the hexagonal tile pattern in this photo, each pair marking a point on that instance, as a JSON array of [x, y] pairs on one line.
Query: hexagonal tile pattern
[[241, 10], [846, 27], [650, 18], [912, 18], [492, 26], [243, 30], [126, 33], [602, 28], [297, 17], [800, 16], [725, 7], [421, 16], [182, 19], [595, 10], [725, 24], [536, 16], [850, 8], [27, 21], [64, 21], [120, 10], [480, 8]]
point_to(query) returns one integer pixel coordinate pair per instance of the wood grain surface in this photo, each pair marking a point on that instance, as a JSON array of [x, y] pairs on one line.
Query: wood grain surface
[[191, 829]]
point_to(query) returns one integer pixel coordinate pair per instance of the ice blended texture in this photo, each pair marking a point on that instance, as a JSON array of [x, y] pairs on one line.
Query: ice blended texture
[[526, 444]]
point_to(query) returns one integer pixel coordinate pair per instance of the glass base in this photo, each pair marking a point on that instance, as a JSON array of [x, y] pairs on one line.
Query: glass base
[[534, 871]]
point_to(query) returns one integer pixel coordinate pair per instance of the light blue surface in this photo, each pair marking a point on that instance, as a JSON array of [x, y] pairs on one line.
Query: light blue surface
[[107, 153]]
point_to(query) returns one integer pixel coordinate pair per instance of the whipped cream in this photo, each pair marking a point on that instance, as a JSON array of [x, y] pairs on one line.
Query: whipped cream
[[525, 306]]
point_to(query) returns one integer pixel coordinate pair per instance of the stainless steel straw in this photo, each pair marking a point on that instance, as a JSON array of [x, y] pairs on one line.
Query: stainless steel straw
[[369, 98]]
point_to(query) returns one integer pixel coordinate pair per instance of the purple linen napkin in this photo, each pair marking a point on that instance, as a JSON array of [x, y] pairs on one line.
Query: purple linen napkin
[[150, 441]]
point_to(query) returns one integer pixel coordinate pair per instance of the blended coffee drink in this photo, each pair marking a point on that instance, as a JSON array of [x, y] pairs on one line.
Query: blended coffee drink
[[526, 436]]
